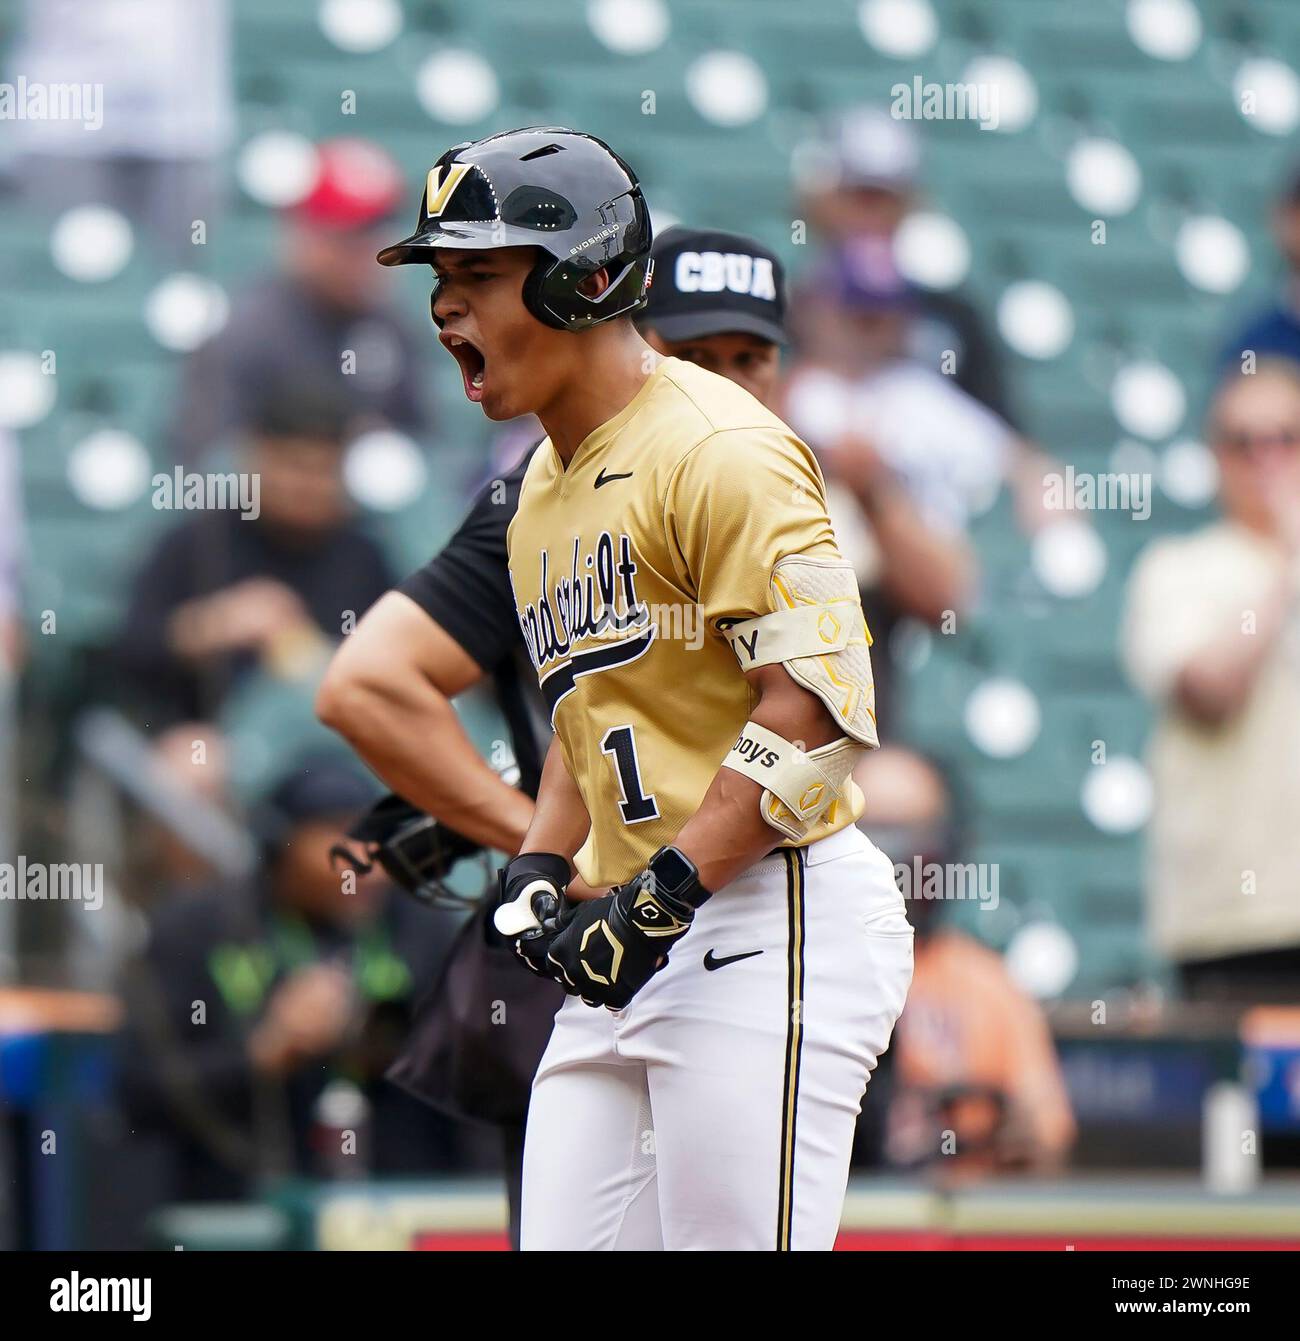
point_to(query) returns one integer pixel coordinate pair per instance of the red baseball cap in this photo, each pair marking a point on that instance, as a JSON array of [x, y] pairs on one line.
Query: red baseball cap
[[357, 184]]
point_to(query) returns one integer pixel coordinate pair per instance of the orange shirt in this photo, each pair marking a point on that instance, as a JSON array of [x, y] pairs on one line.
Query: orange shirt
[[966, 1023]]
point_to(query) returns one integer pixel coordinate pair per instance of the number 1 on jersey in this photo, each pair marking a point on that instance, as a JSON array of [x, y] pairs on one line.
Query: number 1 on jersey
[[620, 744]]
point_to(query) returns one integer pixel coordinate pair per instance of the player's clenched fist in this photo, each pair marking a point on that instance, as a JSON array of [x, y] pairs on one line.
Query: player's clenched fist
[[530, 904], [609, 948]]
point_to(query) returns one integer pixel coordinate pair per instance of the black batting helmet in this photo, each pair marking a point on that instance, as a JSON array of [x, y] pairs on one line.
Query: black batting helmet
[[565, 192]]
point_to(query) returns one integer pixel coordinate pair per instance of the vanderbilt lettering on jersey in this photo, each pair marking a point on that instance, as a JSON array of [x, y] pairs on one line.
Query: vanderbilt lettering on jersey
[[595, 599], [686, 499]]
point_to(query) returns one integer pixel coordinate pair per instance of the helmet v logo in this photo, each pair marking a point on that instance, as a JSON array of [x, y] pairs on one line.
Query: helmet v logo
[[438, 190]]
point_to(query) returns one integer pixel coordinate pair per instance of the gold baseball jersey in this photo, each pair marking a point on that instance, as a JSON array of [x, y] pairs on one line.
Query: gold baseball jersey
[[627, 566]]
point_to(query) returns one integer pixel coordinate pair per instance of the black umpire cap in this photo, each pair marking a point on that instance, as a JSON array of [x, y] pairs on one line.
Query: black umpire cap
[[708, 282]]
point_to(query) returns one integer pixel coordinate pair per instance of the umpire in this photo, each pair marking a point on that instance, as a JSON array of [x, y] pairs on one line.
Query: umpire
[[451, 625]]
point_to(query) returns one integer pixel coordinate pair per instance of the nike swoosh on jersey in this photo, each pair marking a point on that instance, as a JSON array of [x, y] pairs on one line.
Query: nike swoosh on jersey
[[602, 478], [711, 962]]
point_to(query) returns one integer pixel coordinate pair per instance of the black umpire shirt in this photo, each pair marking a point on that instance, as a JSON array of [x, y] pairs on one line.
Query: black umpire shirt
[[466, 589], [450, 1061]]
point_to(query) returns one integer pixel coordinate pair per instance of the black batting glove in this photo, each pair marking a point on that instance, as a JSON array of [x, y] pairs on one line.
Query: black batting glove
[[609, 948], [532, 946]]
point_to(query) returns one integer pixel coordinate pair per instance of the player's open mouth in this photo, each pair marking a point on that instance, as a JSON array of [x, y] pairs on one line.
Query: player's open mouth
[[472, 364]]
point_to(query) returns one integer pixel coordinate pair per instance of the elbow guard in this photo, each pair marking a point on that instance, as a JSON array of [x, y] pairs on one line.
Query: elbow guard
[[819, 634]]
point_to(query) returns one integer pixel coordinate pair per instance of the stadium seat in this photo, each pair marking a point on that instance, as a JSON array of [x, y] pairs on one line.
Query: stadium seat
[[1011, 196]]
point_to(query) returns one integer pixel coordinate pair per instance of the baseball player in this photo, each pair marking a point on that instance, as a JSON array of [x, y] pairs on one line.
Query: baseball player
[[720, 303], [701, 650]]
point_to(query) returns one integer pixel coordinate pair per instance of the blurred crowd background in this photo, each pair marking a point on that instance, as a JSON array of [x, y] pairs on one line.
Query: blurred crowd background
[[1045, 345]]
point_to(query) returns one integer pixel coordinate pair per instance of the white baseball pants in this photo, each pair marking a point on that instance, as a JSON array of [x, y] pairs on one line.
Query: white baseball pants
[[717, 1110]]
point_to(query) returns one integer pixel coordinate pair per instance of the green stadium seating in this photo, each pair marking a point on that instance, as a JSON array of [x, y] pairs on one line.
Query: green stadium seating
[[1009, 193]]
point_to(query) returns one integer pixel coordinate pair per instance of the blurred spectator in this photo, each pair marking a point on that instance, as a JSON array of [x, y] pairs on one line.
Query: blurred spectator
[[949, 451], [151, 80], [1275, 331], [324, 317], [861, 181], [972, 1053], [1212, 635], [908, 455], [249, 1004], [226, 591]]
